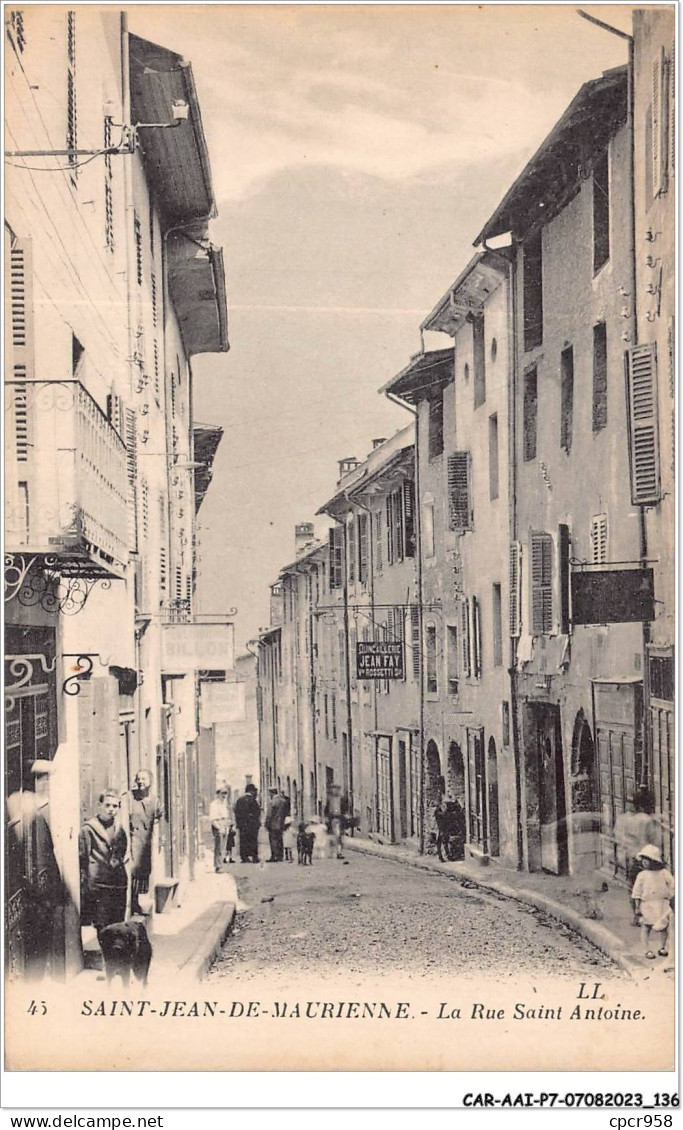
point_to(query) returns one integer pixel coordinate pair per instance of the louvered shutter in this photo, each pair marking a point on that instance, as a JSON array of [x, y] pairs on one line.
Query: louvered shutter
[[398, 526], [515, 589], [409, 517], [641, 378], [163, 550], [541, 584], [658, 123], [351, 535], [459, 505], [378, 541], [465, 632], [362, 548], [672, 108], [336, 578], [132, 468], [415, 639], [476, 638], [390, 529], [599, 539], [20, 347]]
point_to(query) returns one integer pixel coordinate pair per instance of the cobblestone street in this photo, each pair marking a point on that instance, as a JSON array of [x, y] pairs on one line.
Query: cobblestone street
[[366, 915]]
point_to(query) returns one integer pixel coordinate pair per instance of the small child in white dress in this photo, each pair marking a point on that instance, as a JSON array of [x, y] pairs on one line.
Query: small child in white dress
[[288, 840], [652, 894]]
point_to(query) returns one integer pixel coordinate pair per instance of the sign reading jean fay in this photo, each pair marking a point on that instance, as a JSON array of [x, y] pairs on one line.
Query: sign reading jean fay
[[380, 660]]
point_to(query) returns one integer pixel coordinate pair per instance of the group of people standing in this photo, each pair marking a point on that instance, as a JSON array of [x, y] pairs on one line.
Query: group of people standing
[[247, 821]]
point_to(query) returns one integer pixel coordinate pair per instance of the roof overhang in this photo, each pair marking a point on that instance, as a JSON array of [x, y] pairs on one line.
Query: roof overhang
[[196, 281], [554, 173], [468, 294], [426, 374], [207, 437], [370, 482], [176, 159]]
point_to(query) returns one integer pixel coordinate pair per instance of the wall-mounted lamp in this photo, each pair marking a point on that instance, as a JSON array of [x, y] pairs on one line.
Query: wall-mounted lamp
[[180, 112]]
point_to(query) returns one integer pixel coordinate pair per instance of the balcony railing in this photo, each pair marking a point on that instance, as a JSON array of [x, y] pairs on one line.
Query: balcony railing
[[67, 490]]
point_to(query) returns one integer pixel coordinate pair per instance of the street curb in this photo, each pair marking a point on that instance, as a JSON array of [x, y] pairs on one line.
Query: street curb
[[197, 964], [599, 936]]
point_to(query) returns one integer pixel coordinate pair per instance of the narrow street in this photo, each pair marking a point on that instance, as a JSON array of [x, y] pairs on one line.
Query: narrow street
[[368, 915]]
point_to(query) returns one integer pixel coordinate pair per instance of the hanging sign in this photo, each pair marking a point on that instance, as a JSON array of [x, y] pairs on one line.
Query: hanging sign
[[382, 659]]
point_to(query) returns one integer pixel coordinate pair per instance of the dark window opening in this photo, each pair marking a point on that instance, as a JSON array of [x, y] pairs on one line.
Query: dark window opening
[[436, 426], [533, 292], [567, 398], [430, 647], [599, 376], [600, 212], [493, 456], [530, 413], [479, 357], [497, 613]]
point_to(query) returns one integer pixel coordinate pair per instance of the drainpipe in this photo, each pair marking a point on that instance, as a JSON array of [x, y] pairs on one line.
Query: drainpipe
[[420, 612]]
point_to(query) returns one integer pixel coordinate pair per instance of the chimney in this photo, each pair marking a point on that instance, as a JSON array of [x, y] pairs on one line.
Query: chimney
[[348, 465], [378, 442], [304, 536]]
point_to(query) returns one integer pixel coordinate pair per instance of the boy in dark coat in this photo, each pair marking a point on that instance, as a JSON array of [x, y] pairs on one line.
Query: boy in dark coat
[[102, 846]]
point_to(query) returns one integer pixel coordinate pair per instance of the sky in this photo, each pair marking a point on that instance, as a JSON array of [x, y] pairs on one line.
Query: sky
[[356, 152]]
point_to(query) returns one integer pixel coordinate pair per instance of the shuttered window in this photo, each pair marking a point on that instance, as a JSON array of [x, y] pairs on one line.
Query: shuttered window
[[599, 376], [452, 658], [415, 639], [362, 548], [497, 625], [541, 584], [465, 637], [351, 535], [409, 517], [108, 189], [436, 425], [672, 108], [19, 264], [530, 414], [515, 589], [599, 539], [163, 548], [476, 638], [137, 234], [641, 376], [398, 526], [459, 493], [132, 468], [389, 506], [379, 535], [336, 557], [430, 656], [71, 106]]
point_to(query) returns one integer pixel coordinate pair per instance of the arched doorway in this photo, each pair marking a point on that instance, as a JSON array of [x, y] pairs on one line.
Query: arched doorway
[[492, 785], [585, 816], [434, 788], [455, 775]]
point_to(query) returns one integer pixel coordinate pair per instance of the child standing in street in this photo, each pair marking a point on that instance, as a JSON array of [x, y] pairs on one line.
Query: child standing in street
[[288, 840], [652, 894]]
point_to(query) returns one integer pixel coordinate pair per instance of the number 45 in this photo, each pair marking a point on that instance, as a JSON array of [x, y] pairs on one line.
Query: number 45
[[37, 1008]]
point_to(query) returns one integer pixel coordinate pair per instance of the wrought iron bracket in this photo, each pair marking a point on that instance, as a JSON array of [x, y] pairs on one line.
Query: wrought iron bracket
[[72, 685], [40, 579], [21, 669]]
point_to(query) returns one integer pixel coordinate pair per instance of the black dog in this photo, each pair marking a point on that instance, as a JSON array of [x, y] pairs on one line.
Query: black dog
[[304, 847], [126, 949]]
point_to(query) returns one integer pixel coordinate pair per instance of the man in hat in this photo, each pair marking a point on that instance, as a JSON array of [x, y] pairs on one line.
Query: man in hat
[[218, 815], [144, 812], [278, 811], [102, 847], [248, 821]]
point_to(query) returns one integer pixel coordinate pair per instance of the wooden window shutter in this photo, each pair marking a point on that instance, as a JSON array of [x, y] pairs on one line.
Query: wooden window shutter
[[641, 382], [660, 91], [541, 584], [672, 108], [465, 633], [415, 639], [476, 638], [515, 589], [19, 266], [599, 539], [336, 574], [398, 526], [378, 540], [132, 468], [362, 548], [163, 550], [409, 517], [564, 555], [390, 529], [351, 534], [459, 501]]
